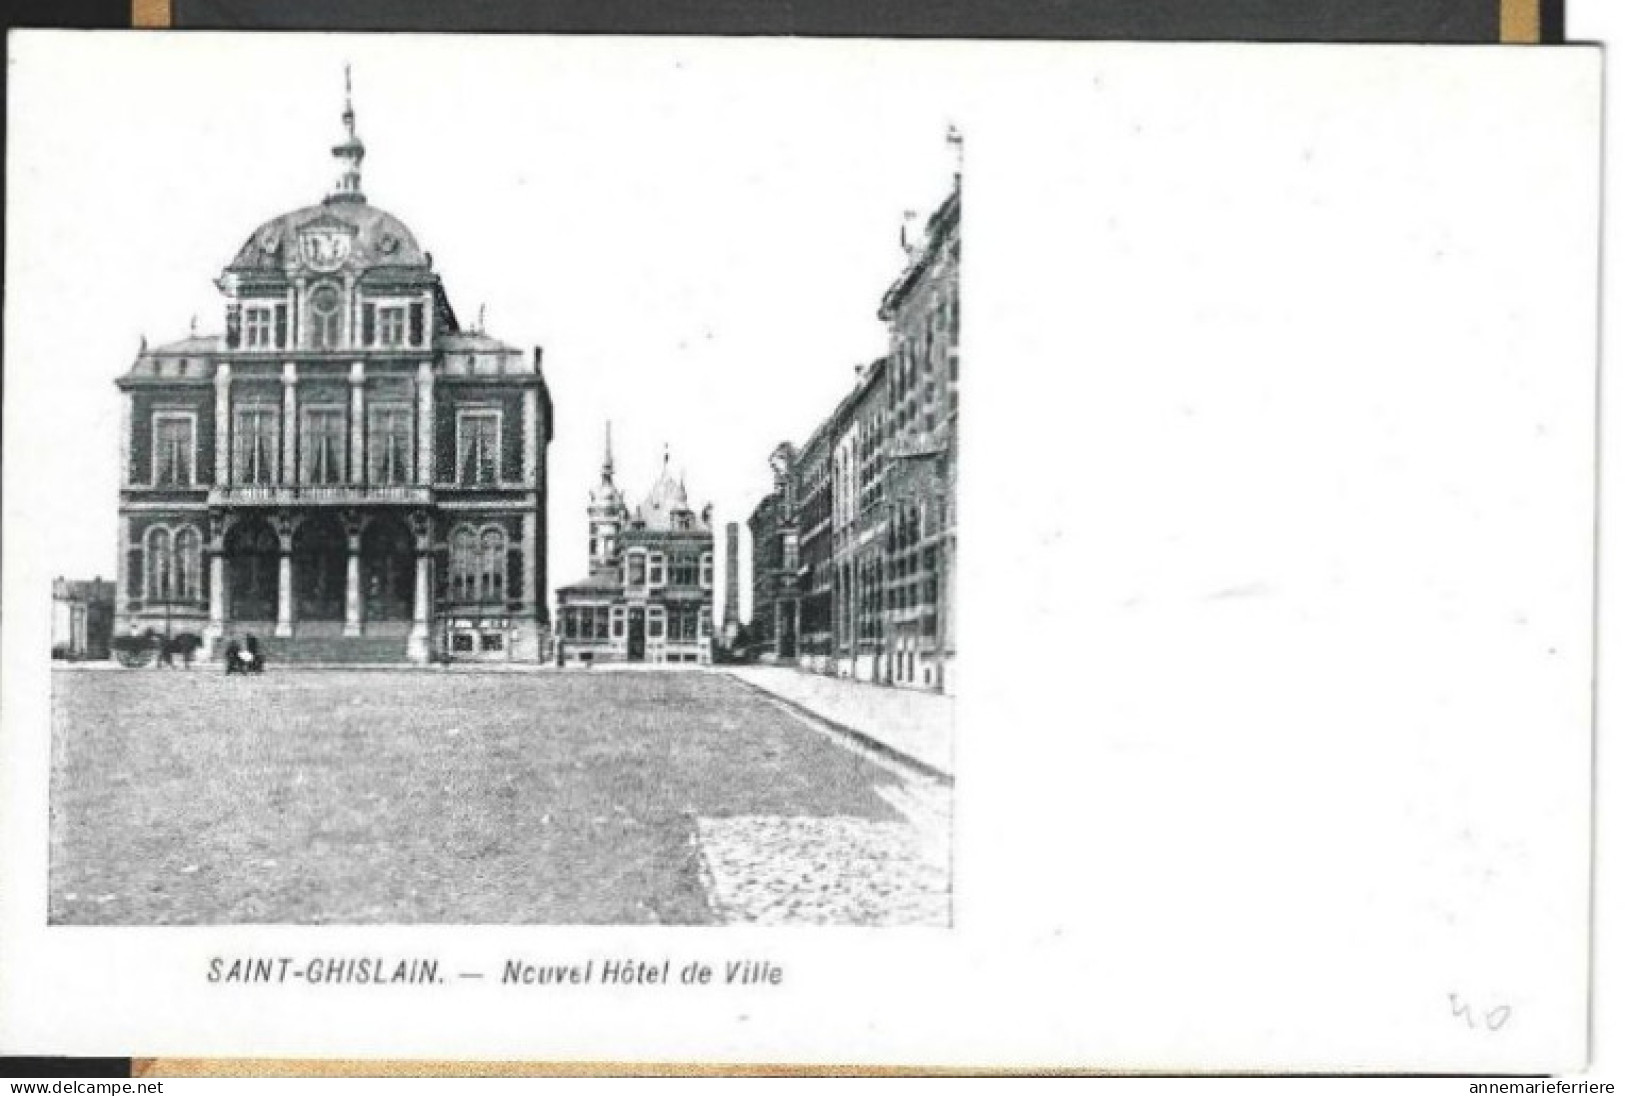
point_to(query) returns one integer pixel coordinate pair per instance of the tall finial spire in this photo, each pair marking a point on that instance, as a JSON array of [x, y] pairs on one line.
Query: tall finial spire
[[609, 454], [349, 153], [956, 148]]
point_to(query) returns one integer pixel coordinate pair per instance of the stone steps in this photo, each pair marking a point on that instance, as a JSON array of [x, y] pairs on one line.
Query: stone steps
[[334, 650]]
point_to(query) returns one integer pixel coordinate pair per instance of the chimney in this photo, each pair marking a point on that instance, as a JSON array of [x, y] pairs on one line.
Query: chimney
[[730, 605]]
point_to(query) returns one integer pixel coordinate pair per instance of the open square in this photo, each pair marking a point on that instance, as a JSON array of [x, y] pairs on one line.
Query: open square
[[412, 797]]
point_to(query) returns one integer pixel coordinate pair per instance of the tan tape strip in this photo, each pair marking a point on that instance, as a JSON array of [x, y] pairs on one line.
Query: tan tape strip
[[151, 14], [1520, 22]]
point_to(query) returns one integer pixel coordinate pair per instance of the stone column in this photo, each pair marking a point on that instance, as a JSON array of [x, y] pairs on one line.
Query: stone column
[[222, 424], [530, 438], [358, 422], [299, 322], [351, 336], [527, 543], [125, 428], [417, 642], [352, 575], [284, 577], [425, 424], [217, 599], [290, 423]]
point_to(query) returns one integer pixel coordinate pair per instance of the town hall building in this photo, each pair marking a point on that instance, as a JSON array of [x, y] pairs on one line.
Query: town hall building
[[649, 590], [346, 473]]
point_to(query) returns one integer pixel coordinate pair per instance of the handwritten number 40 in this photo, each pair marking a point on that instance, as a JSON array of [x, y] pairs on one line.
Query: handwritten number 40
[[1494, 1019]]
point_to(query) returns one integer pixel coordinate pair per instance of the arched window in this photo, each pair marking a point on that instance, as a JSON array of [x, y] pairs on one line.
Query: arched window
[[493, 564], [188, 569], [464, 564], [160, 564]]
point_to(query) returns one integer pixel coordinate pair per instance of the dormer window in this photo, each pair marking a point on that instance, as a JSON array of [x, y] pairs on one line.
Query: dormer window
[[392, 325], [258, 327]]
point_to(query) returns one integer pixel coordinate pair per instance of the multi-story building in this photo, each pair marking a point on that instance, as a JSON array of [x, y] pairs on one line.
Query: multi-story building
[[775, 564], [814, 645], [921, 310], [855, 545], [345, 472], [857, 472], [648, 595]]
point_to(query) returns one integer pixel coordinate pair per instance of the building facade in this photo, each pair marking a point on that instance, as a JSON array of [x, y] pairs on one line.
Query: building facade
[[857, 473], [82, 618], [775, 565], [346, 472], [855, 545], [649, 593], [921, 310]]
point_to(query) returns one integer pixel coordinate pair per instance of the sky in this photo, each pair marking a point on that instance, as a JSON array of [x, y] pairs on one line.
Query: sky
[[697, 233]]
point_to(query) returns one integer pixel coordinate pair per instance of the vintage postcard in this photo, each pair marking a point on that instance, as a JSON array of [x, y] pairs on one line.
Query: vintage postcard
[[548, 549]]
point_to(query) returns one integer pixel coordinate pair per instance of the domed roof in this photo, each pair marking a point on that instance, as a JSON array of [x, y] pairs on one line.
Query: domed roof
[[330, 235]]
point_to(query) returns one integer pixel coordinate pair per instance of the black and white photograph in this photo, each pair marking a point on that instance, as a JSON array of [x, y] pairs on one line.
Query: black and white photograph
[[771, 551], [431, 639]]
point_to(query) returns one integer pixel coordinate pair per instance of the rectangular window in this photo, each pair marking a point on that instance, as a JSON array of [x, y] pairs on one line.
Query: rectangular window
[[172, 450], [254, 446], [600, 622], [685, 571], [258, 327], [462, 642], [634, 569], [707, 573], [478, 443], [417, 323], [322, 446], [657, 625], [657, 569], [685, 625], [491, 641], [618, 624], [392, 325], [389, 444]]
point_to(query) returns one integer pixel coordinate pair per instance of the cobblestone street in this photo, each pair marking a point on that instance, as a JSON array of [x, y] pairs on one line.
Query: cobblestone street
[[418, 797]]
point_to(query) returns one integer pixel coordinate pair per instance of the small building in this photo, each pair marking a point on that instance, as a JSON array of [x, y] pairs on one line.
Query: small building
[[82, 618], [649, 591]]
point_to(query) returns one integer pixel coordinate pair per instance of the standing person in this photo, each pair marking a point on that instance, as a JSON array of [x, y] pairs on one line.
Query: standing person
[[256, 661], [233, 654]]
